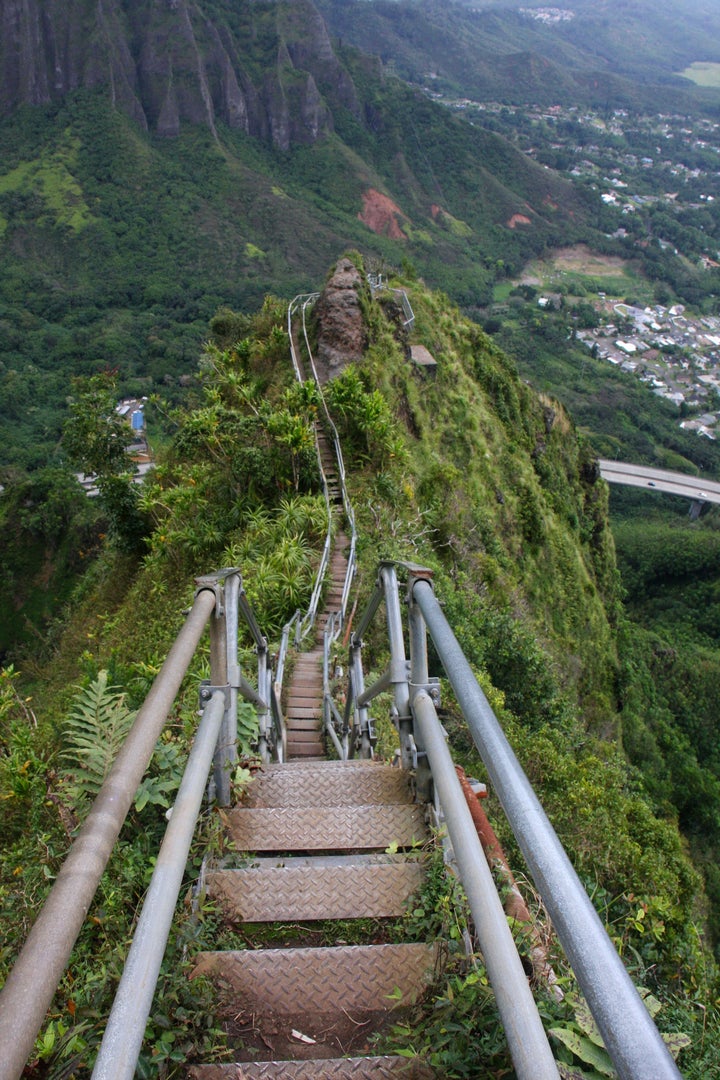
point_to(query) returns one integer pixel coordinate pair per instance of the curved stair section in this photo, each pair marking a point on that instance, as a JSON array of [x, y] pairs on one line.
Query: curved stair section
[[317, 835]]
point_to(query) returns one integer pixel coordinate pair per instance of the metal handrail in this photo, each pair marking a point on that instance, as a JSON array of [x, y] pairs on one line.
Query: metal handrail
[[305, 622], [30, 986], [123, 1037], [29, 989], [298, 627], [531, 1054], [337, 449], [633, 1042], [631, 1038], [336, 726], [376, 283]]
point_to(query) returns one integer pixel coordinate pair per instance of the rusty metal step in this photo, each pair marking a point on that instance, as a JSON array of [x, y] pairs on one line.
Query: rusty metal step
[[327, 980], [333, 783], [326, 828], [311, 890], [360, 1068]]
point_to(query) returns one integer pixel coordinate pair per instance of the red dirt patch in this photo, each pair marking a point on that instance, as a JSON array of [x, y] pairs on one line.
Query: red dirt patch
[[518, 219], [381, 215]]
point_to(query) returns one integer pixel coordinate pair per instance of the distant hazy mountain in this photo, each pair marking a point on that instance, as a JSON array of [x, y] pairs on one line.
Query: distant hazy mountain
[[618, 51]]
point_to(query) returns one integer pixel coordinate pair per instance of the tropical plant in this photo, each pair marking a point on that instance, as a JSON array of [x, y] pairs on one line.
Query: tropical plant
[[94, 731], [580, 1040]]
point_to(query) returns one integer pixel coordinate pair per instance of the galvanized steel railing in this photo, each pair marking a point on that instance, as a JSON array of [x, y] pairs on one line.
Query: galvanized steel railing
[[376, 283], [633, 1042], [302, 303], [299, 626], [342, 479], [29, 989], [631, 1038]]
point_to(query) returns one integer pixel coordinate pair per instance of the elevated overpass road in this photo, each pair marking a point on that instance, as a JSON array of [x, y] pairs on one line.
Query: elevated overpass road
[[696, 488]]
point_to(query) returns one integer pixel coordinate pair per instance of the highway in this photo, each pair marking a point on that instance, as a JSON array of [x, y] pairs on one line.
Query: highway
[[696, 488]]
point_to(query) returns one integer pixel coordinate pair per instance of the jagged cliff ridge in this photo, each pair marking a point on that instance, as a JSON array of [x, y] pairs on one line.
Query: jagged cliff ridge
[[166, 62]]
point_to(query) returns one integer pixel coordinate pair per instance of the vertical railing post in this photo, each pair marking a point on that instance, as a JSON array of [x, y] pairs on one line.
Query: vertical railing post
[[267, 732], [398, 664], [419, 677], [358, 688], [225, 674], [226, 754]]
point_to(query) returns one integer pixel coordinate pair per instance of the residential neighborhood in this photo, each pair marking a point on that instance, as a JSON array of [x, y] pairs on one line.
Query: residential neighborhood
[[677, 355]]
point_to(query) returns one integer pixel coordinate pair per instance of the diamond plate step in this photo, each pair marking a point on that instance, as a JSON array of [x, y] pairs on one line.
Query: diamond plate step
[[333, 783], [375, 1068], [344, 891], [308, 828], [328, 980]]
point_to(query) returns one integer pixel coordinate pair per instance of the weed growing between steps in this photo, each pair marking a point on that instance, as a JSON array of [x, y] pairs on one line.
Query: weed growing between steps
[[456, 1027]]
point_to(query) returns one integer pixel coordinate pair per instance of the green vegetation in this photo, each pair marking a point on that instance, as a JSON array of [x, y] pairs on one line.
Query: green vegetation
[[669, 568], [49, 531], [118, 247], [470, 473], [670, 646]]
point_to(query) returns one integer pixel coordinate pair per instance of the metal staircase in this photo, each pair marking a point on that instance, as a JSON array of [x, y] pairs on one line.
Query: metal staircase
[[324, 842], [316, 835], [304, 703]]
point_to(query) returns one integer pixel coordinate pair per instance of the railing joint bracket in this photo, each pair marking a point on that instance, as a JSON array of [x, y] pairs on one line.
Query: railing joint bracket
[[206, 691]]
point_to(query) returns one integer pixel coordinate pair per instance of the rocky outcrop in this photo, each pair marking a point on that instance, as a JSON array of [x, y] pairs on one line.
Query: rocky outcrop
[[340, 326], [169, 63]]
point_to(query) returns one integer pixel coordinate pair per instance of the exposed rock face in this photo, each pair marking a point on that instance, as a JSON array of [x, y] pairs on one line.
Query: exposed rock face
[[341, 328], [382, 215], [166, 62]]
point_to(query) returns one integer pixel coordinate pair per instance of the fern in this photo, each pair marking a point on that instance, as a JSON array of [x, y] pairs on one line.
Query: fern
[[94, 731]]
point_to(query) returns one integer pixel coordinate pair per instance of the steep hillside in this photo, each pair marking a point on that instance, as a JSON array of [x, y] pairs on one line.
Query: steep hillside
[[125, 221], [468, 472]]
